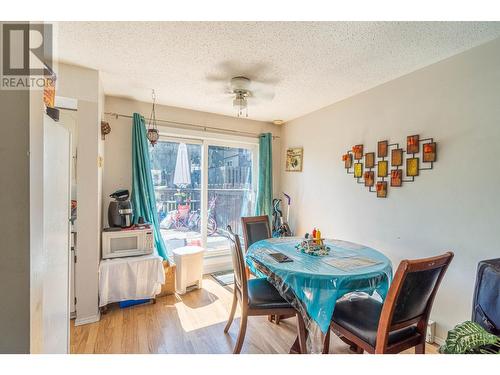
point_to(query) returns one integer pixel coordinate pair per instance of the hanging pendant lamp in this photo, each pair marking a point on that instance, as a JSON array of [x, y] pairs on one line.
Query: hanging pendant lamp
[[153, 135]]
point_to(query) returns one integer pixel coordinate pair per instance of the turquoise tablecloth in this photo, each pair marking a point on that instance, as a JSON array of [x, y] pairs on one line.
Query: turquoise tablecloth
[[314, 286]]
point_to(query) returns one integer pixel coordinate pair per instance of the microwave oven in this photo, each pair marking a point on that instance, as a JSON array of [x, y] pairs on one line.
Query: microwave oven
[[126, 243]]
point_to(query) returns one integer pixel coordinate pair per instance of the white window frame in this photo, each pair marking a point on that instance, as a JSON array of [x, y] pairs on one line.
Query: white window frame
[[205, 139]]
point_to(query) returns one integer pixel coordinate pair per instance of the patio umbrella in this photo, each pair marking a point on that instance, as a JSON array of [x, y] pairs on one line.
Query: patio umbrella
[[182, 174]]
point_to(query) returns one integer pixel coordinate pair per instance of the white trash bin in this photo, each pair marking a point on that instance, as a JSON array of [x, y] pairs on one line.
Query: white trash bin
[[189, 267]]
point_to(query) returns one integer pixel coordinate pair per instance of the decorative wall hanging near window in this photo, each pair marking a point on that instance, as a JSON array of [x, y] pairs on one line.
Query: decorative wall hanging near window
[[105, 129], [417, 159], [153, 135], [294, 159]]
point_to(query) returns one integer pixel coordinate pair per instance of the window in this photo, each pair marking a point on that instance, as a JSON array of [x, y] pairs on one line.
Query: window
[[230, 191], [178, 169]]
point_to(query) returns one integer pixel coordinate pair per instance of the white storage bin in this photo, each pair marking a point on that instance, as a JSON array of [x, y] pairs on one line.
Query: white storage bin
[[189, 267]]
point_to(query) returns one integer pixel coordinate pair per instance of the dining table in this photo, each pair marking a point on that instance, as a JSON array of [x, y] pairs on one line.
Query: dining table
[[314, 283]]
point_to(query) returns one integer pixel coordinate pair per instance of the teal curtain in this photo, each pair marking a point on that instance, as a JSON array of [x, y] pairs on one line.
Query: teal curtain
[[143, 195], [265, 189]]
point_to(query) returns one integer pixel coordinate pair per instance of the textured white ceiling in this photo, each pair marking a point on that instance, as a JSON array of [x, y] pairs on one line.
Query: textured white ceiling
[[308, 65]]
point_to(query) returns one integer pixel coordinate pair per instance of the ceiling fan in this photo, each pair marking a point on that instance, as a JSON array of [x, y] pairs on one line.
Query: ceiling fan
[[245, 91]]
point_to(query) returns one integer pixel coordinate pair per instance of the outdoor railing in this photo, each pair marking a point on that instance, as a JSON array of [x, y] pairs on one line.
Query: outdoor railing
[[230, 204]]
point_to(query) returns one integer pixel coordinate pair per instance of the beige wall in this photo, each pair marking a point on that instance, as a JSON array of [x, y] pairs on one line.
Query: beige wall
[[118, 144], [455, 206], [15, 223]]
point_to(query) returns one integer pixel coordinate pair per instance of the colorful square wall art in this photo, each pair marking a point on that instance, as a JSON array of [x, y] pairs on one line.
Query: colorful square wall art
[[294, 158], [382, 168], [382, 189], [347, 159], [369, 160], [358, 170], [396, 177], [357, 151], [397, 157], [382, 148], [429, 152], [412, 144], [369, 178], [412, 167], [378, 170]]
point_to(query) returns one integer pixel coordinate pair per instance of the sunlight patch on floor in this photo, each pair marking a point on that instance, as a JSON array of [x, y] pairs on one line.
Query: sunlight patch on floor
[[195, 312]]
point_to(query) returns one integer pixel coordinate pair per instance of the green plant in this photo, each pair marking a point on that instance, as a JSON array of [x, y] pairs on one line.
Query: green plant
[[469, 338]]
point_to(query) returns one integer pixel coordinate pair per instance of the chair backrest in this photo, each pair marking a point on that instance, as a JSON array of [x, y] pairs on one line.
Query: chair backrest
[[255, 228], [410, 297], [486, 300], [240, 275]]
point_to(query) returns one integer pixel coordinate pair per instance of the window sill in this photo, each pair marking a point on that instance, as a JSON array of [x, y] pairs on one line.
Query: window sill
[[216, 253]]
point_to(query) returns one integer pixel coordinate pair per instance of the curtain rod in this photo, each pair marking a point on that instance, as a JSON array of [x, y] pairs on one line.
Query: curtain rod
[[196, 126]]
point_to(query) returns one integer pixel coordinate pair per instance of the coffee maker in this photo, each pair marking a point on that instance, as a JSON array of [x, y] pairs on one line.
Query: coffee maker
[[120, 210]]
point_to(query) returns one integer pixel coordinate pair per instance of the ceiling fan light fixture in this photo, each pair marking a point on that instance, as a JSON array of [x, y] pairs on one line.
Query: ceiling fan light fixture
[[240, 102], [240, 83]]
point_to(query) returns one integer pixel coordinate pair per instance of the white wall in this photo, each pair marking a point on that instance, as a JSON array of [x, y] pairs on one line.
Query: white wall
[[118, 144], [83, 84], [453, 207]]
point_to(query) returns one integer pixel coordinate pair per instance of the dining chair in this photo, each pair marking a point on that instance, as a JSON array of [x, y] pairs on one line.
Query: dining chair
[[257, 297], [255, 228], [400, 322]]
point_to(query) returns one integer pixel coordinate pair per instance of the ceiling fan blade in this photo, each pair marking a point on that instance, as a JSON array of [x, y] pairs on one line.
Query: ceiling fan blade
[[220, 78], [265, 81], [253, 101], [263, 94]]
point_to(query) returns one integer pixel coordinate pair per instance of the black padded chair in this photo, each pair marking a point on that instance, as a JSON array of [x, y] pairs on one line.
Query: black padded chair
[[256, 297], [486, 301], [401, 321], [255, 228]]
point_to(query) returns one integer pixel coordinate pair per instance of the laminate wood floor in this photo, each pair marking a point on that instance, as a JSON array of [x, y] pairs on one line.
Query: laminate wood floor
[[192, 323]]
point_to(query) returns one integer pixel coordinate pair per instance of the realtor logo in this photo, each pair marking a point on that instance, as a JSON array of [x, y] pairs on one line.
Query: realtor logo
[[26, 55]]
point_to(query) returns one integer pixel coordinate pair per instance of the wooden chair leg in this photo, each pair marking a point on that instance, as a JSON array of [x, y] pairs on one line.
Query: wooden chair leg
[[357, 349], [231, 314], [241, 333], [326, 343], [352, 346], [302, 334], [420, 348]]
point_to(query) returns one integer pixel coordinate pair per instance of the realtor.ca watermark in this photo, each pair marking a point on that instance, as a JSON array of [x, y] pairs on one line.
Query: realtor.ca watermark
[[26, 61]]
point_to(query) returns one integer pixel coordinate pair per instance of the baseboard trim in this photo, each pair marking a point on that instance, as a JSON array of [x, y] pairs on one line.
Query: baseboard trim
[[439, 340], [87, 319]]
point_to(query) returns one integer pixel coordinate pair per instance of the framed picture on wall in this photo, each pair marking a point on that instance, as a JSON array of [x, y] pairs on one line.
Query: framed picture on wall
[[358, 170], [347, 158], [382, 168], [382, 189], [429, 152], [397, 157], [397, 177], [382, 148], [370, 160], [357, 151], [369, 178], [294, 159], [412, 167], [412, 144]]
